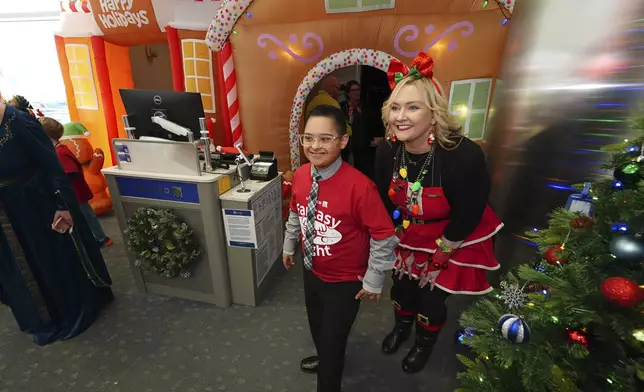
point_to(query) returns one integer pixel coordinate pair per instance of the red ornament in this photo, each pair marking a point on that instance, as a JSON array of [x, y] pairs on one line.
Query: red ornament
[[622, 291], [582, 222], [578, 336], [415, 208], [393, 137], [554, 255], [392, 192]]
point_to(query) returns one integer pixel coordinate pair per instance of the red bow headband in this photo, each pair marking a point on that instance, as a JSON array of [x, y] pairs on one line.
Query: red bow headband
[[421, 67]]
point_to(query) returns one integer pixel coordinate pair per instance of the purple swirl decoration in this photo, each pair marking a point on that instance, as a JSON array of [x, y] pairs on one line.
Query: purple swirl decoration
[[429, 29], [307, 41]]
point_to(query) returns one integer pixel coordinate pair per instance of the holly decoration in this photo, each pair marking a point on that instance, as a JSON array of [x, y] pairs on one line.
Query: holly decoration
[[622, 291], [554, 255], [582, 222]]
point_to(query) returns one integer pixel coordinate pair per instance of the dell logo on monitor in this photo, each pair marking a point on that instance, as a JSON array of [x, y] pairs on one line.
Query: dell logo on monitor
[[157, 99]]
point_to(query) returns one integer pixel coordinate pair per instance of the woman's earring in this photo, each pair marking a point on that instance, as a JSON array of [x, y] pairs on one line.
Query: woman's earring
[[430, 139], [393, 137]]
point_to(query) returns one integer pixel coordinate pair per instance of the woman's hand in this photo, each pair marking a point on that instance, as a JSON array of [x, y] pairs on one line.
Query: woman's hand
[[62, 221]]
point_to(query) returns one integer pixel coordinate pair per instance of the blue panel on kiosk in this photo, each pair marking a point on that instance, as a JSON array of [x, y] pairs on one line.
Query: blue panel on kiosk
[[158, 190]]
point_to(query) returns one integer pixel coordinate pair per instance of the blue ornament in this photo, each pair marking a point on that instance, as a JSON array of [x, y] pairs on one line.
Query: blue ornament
[[463, 335], [540, 267], [396, 214], [514, 329]]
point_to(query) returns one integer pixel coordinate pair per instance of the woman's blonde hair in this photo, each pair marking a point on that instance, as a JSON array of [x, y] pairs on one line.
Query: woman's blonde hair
[[446, 126]]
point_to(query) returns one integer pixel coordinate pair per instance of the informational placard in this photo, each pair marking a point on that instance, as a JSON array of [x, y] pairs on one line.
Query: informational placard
[[240, 228], [267, 209]]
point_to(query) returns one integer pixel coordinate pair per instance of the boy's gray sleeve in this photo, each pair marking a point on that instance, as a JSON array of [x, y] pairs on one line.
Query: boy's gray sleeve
[[292, 234], [381, 261]]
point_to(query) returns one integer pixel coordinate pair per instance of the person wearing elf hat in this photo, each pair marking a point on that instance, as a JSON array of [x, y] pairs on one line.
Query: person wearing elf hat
[[435, 184]]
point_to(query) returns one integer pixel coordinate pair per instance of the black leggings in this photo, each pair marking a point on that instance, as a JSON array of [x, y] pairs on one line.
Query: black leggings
[[428, 306]]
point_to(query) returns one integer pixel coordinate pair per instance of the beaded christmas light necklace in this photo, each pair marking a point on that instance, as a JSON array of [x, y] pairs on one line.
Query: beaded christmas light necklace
[[400, 171]]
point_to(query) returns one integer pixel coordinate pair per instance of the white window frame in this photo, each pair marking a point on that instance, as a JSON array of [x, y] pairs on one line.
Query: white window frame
[[197, 77], [470, 101], [359, 7], [73, 62]]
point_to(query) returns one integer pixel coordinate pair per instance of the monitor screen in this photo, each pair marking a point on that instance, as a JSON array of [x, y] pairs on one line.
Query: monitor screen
[[181, 108]]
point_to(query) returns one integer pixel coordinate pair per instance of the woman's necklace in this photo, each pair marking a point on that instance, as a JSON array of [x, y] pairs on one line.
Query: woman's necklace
[[412, 162], [415, 187]]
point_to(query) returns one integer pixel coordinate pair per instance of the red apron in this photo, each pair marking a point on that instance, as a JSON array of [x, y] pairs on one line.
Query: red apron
[[466, 271]]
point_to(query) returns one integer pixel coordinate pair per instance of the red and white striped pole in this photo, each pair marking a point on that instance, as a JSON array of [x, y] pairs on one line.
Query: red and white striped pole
[[230, 81], [75, 6]]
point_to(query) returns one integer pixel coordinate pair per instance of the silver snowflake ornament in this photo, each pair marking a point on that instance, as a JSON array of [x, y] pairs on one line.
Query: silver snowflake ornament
[[513, 295]]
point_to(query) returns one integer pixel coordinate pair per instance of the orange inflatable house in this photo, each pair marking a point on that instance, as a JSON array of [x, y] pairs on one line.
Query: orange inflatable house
[[283, 48], [256, 62], [106, 45]]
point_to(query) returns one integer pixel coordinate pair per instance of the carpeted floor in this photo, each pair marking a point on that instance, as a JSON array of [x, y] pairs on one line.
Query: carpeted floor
[[148, 343]]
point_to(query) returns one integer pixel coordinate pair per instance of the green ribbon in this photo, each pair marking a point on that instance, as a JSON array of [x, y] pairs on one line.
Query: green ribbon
[[413, 73]]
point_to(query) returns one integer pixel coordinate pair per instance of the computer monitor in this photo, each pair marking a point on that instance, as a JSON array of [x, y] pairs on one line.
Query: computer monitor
[[183, 109]]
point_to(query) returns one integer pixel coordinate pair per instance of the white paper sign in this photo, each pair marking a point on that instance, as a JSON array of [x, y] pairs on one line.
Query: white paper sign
[[240, 228], [268, 227]]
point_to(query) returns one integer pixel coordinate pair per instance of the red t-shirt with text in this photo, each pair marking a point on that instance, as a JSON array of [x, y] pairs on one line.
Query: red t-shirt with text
[[74, 172], [349, 213]]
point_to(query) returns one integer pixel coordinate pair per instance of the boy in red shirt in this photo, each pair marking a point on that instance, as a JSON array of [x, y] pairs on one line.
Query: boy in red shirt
[[348, 241], [74, 172]]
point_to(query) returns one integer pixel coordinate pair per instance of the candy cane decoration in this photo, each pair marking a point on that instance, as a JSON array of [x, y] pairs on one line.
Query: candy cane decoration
[[75, 6], [230, 79]]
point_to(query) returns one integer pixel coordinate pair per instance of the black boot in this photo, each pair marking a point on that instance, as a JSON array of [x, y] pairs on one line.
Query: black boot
[[418, 356], [400, 333]]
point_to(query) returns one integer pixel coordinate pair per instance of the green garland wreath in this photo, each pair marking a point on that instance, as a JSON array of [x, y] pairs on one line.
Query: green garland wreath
[[161, 241]]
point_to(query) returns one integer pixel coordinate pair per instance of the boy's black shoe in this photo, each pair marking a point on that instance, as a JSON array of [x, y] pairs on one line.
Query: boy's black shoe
[[310, 364]]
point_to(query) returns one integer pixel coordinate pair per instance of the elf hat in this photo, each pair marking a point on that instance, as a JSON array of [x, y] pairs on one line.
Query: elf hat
[[74, 130]]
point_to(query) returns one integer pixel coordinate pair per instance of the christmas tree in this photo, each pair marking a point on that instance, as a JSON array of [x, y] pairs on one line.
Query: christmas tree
[[574, 320]]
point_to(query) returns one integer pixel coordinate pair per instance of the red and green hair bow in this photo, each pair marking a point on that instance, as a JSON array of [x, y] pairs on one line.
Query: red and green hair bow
[[422, 66]]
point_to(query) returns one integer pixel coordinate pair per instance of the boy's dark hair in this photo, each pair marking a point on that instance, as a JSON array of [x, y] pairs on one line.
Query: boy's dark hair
[[52, 128], [333, 113]]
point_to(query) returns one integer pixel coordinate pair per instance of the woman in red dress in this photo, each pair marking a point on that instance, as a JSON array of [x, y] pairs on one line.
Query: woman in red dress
[[435, 183]]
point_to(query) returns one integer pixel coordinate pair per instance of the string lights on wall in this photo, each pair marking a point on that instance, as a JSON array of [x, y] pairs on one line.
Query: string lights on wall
[[503, 7]]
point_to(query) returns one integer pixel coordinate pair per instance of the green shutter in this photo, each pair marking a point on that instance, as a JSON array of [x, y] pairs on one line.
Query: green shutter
[[481, 95], [476, 128], [460, 96], [371, 3], [341, 4]]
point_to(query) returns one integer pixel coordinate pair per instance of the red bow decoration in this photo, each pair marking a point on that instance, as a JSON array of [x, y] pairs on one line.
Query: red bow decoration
[[422, 66]]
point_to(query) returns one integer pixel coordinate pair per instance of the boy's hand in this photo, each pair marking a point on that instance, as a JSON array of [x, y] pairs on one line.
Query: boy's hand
[[364, 293], [288, 260]]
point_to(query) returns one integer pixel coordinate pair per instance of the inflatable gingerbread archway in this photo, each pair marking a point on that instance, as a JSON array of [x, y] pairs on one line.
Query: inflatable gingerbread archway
[[282, 48]]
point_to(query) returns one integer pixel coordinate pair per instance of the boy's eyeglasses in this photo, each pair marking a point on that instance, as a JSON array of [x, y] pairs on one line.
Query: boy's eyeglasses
[[323, 140]]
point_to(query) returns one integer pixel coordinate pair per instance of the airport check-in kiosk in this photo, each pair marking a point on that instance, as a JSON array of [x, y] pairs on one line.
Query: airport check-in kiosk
[[168, 175]]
